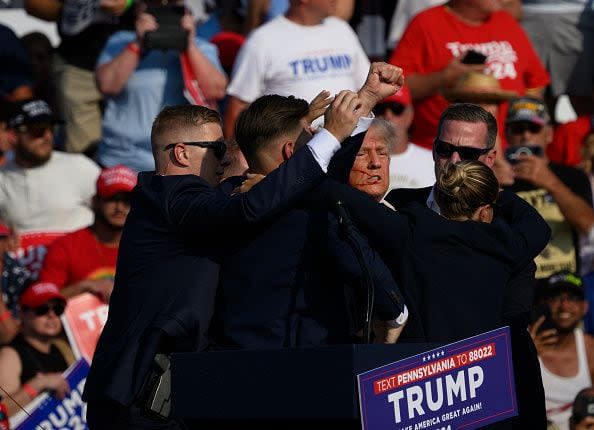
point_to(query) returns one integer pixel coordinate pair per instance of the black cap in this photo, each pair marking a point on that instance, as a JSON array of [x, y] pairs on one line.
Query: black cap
[[30, 112], [583, 405], [564, 281]]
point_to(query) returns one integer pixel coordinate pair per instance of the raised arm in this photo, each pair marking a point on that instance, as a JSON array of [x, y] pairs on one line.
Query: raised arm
[[113, 75], [531, 232], [195, 207]]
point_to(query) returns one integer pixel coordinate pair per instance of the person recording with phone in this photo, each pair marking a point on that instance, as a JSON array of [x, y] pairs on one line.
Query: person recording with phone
[[561, 194], [565, 352], [139, 72], [443, 43]]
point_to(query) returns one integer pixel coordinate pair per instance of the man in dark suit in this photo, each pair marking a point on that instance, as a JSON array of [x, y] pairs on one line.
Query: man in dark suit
[[468, 132], [173, 239], [294, 281]]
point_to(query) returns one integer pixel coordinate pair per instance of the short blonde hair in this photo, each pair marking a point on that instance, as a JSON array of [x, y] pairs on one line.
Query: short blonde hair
[[464, 187]]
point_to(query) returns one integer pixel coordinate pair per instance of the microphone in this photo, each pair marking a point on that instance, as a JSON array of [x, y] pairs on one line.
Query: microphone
[[340, 210], [348, 229]]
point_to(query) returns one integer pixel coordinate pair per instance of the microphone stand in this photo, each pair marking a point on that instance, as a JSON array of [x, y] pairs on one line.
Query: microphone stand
[[347, 227]]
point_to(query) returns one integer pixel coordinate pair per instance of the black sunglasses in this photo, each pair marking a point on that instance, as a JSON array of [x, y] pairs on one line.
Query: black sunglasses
[[445, 150], [36, 130], [396, 108], [521, 127], [44, 309], [218, 146]]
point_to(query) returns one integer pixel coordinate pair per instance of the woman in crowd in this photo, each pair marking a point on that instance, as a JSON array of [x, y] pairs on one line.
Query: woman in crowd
[[34, 361]]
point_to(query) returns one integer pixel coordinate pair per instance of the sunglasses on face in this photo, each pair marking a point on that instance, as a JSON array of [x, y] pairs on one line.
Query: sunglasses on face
[[445, 150], [218, 146], [396, 108], [570, 297], [36, 130], [119, 198], [521, 127], [44, 309]]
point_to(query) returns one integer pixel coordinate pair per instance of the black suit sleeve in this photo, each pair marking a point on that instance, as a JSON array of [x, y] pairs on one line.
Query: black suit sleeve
[[384, 227], [389, 302], [342, 162], [531, 233], [195, 208]]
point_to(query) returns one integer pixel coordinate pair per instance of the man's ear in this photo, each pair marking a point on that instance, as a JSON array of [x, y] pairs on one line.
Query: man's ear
[[181, 155], [490, 157], [288, 149]]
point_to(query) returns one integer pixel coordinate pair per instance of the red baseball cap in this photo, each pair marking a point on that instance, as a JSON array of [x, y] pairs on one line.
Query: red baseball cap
[[402, 97], [114, 180], [4, 230], [40, 293]]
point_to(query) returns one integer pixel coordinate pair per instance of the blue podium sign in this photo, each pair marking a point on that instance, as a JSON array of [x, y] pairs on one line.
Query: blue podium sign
[[48, 413], [464, 385]]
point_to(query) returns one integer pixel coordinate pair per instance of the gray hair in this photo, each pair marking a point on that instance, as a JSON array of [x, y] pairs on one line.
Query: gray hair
[[386, 130]]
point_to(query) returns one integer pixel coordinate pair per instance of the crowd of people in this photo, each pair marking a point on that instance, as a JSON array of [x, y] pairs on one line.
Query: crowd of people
[[207, 149]]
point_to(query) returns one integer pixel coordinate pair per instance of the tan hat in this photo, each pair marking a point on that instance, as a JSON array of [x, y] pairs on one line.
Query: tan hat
[[476, 87]]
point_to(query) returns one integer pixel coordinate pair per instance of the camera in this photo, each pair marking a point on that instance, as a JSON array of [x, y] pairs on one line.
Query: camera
[[170, 34], [514, 153]]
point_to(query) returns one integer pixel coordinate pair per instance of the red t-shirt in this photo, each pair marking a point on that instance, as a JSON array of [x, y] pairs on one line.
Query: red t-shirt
[[566, 147], [436, 35], [77, 256]]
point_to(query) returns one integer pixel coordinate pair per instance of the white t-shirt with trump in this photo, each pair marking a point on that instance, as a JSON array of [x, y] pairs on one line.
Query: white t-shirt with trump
[[285, 58]]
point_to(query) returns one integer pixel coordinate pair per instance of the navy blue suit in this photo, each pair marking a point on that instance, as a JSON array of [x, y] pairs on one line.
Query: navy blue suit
[[518, 297], [168, 267], [296, 282]]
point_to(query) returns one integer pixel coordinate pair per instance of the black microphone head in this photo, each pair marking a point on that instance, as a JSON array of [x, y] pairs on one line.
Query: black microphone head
[[334, 198]]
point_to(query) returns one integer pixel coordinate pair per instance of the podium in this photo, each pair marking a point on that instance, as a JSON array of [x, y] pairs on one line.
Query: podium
[[278, 389]]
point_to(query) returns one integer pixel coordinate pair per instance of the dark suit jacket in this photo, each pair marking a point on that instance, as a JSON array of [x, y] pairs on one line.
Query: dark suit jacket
[[296, 282], [167, 268], [517, 303], [519, 289]]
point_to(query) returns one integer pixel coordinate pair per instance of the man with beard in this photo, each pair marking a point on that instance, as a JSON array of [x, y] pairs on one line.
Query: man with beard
[[42, 190], [85, 260], [565, 352]]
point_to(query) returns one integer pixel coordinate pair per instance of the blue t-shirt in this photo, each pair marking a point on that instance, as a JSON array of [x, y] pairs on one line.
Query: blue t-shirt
[[157, 82]]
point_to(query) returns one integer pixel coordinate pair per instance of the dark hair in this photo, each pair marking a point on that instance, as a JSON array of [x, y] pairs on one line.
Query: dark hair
[[468, 112], [462, 188], [267, 118], [180, 117]]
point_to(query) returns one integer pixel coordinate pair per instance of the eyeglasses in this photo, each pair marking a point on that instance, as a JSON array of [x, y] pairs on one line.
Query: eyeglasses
[[570, 297], [521, 127], [396, 108], [44, 309], [36, 130], [218, 146], [445, 150], [118, 198]]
